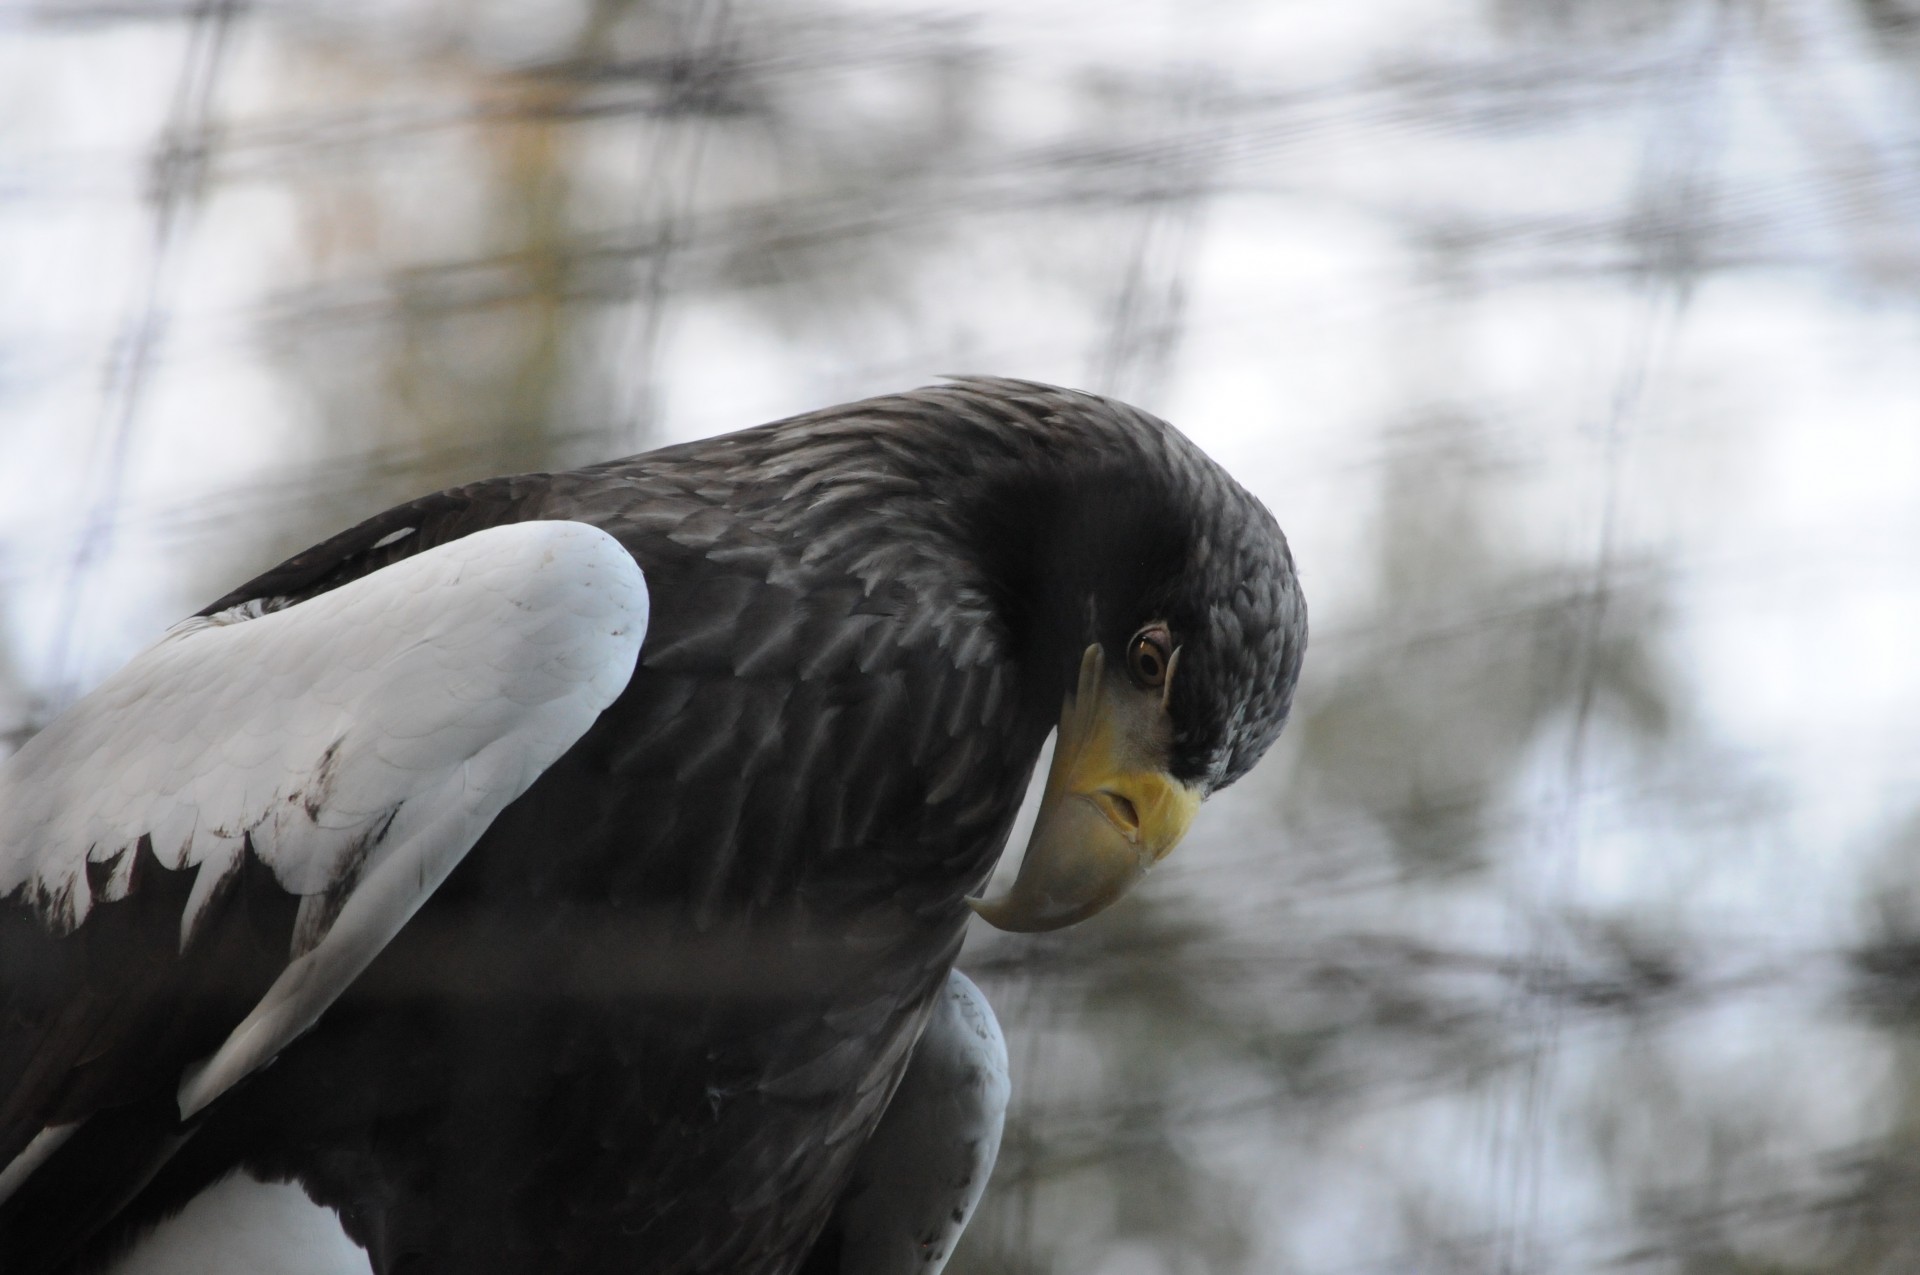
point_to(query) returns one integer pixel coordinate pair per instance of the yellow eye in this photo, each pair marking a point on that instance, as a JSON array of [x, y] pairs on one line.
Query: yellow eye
[[1149, 654]]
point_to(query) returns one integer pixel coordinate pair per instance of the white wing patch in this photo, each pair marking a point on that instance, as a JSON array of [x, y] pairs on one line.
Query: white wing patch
[[242, 1226], [918, 1179], [360, 742]]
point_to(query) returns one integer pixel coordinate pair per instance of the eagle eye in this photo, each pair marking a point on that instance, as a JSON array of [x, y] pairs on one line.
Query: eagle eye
[[1149, 655]]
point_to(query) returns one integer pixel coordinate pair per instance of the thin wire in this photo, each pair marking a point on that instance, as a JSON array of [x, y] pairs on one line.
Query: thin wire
[[679, 140], [178, 180], [1148, 312], [1519, 1155]]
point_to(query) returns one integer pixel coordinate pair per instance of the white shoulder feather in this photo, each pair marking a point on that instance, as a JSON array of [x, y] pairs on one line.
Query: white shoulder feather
[[359, 743]]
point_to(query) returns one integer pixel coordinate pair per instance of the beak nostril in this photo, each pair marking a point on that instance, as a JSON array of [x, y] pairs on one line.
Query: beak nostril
[[1121, 811]]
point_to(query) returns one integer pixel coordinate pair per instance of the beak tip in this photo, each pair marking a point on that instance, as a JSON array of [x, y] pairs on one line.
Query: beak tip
[[1007, 914], [994, 912]]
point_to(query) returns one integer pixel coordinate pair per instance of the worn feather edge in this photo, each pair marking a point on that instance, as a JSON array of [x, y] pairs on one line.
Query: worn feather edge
[[406, 874], [316, 977]]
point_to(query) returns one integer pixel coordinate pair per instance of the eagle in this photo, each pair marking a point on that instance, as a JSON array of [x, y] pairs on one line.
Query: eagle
[[565, 872]]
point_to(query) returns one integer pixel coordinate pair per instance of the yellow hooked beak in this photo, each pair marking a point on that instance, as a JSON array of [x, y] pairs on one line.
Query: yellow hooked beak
[[1109, 811]]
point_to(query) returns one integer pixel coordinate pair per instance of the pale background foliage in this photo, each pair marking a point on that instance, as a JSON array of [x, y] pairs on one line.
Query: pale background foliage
[[1573, 926]]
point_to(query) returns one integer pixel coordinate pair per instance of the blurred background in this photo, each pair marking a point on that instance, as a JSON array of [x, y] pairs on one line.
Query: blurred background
[[1575, 923]]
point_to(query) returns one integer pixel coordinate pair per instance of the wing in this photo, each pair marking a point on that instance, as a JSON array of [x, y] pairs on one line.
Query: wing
[[920, 1175], [342, 753]]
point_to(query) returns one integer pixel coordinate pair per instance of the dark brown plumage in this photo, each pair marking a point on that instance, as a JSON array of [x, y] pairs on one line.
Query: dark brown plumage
[[652, 1016]]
